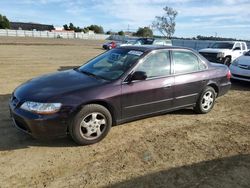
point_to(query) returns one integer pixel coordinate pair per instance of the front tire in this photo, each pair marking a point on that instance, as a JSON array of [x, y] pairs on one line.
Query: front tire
[[91, 124], [206, 101]]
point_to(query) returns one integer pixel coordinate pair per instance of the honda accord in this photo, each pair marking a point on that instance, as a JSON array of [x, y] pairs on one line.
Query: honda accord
[[120, 85]]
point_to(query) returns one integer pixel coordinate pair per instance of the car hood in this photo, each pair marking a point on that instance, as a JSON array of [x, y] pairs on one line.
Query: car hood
[[53, 85], [213, 50], [244, 60]]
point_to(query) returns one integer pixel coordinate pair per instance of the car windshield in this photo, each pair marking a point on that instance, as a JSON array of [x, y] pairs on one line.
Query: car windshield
[[222, 45], [112, 64], [247, 53]]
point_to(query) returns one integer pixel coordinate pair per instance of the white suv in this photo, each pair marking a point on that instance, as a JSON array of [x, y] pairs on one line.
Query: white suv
[[224, 52]]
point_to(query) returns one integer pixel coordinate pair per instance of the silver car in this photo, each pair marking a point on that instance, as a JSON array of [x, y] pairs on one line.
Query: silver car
[[240, 68]]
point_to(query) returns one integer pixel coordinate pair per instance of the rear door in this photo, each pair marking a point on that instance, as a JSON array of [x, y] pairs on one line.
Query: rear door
[[190, 77], [154, 94]]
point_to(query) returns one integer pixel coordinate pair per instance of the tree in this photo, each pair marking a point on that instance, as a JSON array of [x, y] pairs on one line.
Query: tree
[[121, 33], [4, 22], [166, 23], [65, 27], [71, 26], [144, 32], [96, 28]]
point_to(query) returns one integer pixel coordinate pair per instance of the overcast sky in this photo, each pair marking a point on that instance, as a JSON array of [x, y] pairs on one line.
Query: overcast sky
[[227, 18]]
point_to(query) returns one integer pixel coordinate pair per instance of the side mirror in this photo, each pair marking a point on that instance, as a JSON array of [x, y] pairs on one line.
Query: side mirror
[[236, 48], [138, 75]]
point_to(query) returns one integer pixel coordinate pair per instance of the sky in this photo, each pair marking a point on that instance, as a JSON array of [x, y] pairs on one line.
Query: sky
[[223, 18]]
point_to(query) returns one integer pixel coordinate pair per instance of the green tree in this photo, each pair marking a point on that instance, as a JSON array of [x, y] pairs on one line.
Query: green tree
[[65, 27], [78, 29], [4, 22], [166, 23], [71, 26], [96, 29], [121, 33], [144, 32]]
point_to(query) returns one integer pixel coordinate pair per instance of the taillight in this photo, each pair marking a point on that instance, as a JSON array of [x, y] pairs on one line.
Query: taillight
[[229, 75], [113, 44]]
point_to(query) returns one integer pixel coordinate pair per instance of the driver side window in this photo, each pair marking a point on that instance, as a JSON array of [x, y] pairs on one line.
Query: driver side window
[[237, 46], [156, 65]]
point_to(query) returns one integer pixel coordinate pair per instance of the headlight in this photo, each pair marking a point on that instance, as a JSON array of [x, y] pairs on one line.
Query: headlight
[[41, 108], [235, 62], [220, 54]]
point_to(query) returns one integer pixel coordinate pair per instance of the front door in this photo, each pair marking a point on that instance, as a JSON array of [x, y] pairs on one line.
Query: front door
[[237, 51], [152, 95]]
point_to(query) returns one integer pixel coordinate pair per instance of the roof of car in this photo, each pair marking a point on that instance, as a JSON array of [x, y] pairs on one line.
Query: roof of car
[[145, 48]]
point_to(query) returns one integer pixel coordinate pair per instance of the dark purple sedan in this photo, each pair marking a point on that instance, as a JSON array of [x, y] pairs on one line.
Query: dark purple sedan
[[121, 85]]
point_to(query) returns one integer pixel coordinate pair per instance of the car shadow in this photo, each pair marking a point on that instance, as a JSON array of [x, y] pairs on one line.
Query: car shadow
[[223, 172], [240, 85]]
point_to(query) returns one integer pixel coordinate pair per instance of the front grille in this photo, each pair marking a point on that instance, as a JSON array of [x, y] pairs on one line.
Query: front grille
[[244, 66], [240, 76], [209, 56]]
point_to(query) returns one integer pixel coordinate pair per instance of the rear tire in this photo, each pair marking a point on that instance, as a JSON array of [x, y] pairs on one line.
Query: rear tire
[[90, 125], [206, 101]]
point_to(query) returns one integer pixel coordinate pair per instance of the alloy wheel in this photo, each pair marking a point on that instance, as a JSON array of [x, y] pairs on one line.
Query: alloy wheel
[[93, 125], [207, 100]]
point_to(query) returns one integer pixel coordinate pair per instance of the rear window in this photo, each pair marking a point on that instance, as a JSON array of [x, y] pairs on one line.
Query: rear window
[[185, 62], [222, 45]]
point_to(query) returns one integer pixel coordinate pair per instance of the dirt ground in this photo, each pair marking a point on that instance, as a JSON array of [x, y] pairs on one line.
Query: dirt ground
[[180, 149]]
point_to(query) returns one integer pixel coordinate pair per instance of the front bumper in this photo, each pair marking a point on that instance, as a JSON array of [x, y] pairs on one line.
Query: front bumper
[[212, 57], [39, 126], [240, 74]]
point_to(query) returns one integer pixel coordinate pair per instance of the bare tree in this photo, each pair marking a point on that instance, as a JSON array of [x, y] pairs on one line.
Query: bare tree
[[166, 23]]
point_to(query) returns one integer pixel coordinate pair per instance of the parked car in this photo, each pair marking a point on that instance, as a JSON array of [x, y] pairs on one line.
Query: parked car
[[240, 68], [109, 45], [153, 41], [120, 85], [224, 52], [128, 43]]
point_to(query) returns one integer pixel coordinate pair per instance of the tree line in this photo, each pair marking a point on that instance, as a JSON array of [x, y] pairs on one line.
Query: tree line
[[4, 22]]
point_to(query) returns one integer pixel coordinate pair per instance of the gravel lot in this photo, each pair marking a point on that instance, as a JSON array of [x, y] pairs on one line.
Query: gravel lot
[[180, 149]]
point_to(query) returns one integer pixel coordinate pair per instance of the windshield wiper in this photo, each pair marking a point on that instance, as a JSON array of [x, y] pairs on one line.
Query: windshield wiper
[[92, 74]]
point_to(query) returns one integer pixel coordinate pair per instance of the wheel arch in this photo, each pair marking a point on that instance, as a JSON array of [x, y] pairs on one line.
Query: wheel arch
[[215, 87], [105, 104], [230, 56]]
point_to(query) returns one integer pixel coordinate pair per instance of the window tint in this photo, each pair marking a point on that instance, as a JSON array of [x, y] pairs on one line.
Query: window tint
[[157, 64], [185, 62], [112, 64]]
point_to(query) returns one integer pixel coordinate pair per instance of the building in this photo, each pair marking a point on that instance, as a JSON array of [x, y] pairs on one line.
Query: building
[[30, 26]]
